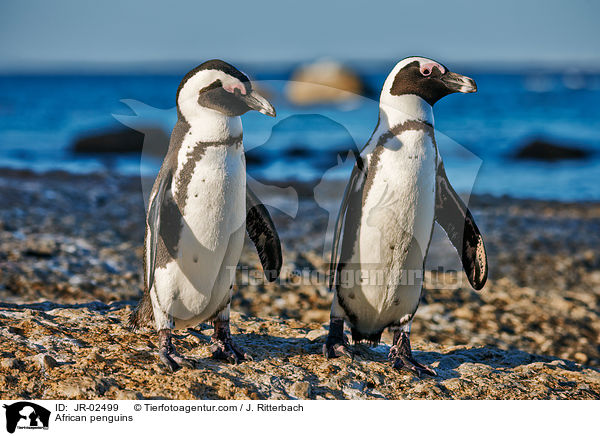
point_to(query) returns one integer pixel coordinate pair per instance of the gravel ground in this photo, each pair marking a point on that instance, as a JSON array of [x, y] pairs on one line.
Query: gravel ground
[[78, 239], [85, 352]]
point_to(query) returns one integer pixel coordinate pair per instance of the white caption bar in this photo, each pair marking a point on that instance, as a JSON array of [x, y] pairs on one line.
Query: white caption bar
[[308, 418]]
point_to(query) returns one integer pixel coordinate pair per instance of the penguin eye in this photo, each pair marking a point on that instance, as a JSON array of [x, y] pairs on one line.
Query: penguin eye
[[236, 88], [426, 71]]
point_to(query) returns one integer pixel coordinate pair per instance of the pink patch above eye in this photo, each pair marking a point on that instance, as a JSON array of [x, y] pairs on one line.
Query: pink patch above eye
[[231, 87], [427, 68]]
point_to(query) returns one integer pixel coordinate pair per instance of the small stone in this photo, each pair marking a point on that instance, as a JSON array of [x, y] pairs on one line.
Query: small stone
[[301, 390], [77, 280], [40, 248], [313, 335], [10, 363], [448, 363], [464, 312], [127, 395], [47, 361], [96, 357], [77, 387], [581, 357], [315, 315]]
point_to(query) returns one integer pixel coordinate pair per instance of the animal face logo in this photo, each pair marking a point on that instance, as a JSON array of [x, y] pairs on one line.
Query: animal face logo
[[26, 415]]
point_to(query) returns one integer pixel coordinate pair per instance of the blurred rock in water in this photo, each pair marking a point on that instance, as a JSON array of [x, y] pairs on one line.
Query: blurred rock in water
[[123, 140], [540, 149], [323, 81]]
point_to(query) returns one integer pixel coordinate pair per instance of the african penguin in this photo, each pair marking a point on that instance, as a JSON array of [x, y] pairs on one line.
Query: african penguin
[[397, 190], [198, 210]]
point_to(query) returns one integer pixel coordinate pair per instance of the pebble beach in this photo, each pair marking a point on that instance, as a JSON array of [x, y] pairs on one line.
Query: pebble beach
[[71, 272]]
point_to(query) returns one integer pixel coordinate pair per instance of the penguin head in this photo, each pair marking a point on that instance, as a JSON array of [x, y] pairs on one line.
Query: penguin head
[[221, 87], [424, 78]]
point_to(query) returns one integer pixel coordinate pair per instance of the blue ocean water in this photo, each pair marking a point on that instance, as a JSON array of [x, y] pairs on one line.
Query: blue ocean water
[[42, 115]]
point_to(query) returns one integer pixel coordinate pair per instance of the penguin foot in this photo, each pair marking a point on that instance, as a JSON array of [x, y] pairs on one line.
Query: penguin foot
[[337, 344], [410, 364], [339, 349], [169, 357], [228, 350], [174, 361], [223, 347], [402, 358]]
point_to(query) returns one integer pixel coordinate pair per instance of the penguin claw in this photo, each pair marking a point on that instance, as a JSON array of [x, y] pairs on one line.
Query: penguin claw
[[401, 362], [169, 356], [229, 351], [403, 359], [168, 362], [420, 370], [222, 345], [174, 362], [337, 344], [337, 349], [184, 361]]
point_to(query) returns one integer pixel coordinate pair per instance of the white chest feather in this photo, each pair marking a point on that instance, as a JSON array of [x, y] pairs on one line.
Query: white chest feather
[[211, 180], [216, 196], [400, 204]]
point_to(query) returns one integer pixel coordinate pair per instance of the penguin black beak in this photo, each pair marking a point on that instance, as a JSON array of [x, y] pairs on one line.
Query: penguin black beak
[[457, 83], [258, 103]]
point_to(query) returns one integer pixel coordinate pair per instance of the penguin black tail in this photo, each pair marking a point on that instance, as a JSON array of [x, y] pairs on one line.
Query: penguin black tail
[[372, 338], [143, 314]]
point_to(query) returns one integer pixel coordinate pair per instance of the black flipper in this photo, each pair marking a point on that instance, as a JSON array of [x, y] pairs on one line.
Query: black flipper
[[153, 220], [456, 219], [261, 230]]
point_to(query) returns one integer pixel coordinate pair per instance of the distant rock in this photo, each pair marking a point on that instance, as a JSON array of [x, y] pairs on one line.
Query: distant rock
[[540, 149], [122, 140], [254, 158], [323, 81]]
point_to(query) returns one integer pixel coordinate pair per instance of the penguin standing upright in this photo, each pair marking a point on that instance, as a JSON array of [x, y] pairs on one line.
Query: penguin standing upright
[[198, 209], [397, 190]]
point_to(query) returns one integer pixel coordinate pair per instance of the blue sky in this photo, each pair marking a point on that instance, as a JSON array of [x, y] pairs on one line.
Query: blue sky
[[38, 34]]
